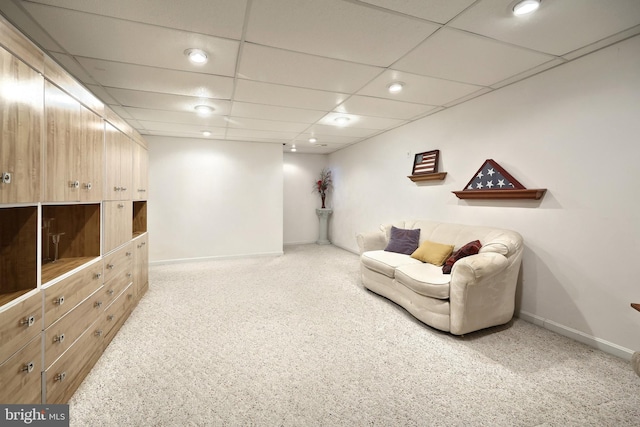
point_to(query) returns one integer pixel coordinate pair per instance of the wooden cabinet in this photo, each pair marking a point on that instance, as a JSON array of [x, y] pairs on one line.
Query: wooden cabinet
[[119, 164], [140, 172], [21, 375], [118, 223], [116, 314], [21, 111], [74, 149], [19, 324], [141, 266], [18, 252]]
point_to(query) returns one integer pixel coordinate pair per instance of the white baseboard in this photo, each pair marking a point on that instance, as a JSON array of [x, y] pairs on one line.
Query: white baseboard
[[600, 344], [210, 258], [299, 243]]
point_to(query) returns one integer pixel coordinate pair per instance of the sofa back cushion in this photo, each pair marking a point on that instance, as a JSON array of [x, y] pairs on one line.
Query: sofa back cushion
[[505, 242]]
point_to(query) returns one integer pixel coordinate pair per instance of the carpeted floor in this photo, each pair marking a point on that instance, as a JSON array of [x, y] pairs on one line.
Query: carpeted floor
[[297, 341]]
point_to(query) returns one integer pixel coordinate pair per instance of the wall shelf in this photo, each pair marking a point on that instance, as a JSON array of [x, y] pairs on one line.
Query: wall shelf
[[536, 194], [436, 176]]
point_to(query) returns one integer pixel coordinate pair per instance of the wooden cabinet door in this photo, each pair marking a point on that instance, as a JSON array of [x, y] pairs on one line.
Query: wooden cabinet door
[[126, 167], [21, 112], [91, 156], [141, 270], [118, 224], [112, 162], [63, 116], [140, 172]]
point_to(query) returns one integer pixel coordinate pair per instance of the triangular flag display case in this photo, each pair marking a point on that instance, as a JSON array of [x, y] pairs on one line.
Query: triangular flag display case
[[491, 181]]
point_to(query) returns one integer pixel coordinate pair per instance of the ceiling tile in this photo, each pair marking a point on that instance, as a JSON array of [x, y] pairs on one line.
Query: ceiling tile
[[468, 58], [102, 94], [379, 107], [216, 131], [419, 89], [270, 112], [257, 124], [286, 96], [261, 134], [176, 117], [216, 17], [164, 101], [273, 65], [324, 138], [100, 37], [138, 77], [362, 122], [440, 11], [346, 131], [335, 29], [557, 27]]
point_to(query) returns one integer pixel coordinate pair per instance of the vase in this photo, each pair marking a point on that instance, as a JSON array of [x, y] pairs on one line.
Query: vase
[[322, 196]]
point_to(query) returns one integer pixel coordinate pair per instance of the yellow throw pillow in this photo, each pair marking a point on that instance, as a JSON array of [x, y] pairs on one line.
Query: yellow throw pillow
[[432, 252]]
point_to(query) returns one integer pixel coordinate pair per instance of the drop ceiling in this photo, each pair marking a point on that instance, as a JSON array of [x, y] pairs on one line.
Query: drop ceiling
[[282, 71]]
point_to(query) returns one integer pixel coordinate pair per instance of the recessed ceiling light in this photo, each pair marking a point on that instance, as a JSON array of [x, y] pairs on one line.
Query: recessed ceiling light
[[395, 87], [206, 133], [342, 120], [313, 140], [525, 6], [293, 148], [197, 56], [203, 110]]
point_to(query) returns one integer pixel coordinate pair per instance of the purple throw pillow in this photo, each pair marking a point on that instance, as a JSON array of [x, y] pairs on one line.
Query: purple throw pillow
[[403, 241], [470, 248]]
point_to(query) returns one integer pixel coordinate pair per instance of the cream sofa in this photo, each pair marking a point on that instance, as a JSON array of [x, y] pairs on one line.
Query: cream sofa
[[479, 292]]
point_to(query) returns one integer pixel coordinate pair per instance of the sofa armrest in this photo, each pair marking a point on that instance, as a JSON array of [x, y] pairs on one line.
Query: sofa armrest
[[371, 241], [473, 269]]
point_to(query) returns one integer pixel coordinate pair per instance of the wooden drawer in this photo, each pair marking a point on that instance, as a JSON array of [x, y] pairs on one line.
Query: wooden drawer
[[64, 377], [20, 375], [118, 261], [116, 314], [62, 334], [63, 296], [19, 324], [116, 285]]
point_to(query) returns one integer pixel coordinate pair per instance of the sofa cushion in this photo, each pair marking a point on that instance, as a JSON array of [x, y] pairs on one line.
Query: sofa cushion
[[386, 262], [432, 252], [470, 248], [424, 279], [403, 241]]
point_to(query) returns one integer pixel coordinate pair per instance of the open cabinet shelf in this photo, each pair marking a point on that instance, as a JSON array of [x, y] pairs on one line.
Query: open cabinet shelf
[[18, 252]]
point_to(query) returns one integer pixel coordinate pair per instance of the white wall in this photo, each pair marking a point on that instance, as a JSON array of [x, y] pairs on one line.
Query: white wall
[[301, 223], [214, 198], [573, 130]]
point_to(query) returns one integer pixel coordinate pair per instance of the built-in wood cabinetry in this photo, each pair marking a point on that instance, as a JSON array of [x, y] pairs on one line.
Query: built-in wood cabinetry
[[73, 216]]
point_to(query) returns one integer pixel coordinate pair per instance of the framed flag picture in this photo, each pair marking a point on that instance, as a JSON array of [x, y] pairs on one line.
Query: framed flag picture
[[426, 162]]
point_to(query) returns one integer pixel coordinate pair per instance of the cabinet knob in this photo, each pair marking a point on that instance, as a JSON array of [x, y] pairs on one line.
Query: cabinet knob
[[28, 367], [117, 188], [120, 205], [28, 321], [143, 243], [98, 275], [128, 253], [60, 377], [110, 317], [6, 178], [88, 186], [59, 301], [98, 333], [97, 304], [110, 266], [128, 274], [110, 292], [58, 338], [74, 184], [123, 188]]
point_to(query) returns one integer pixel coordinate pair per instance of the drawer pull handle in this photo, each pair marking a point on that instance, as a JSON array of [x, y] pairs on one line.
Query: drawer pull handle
[[59, 301], [98, 333], [110, 292], [58, 338], [110, 266], [120, 205], [88, 186], [61, 376], [110, 317], [28, 321], [97, 304], [128, 254], [28, 367], [98, 275]]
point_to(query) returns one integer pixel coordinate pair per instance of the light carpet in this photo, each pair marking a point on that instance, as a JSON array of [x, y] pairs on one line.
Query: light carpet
[[296, 340]]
